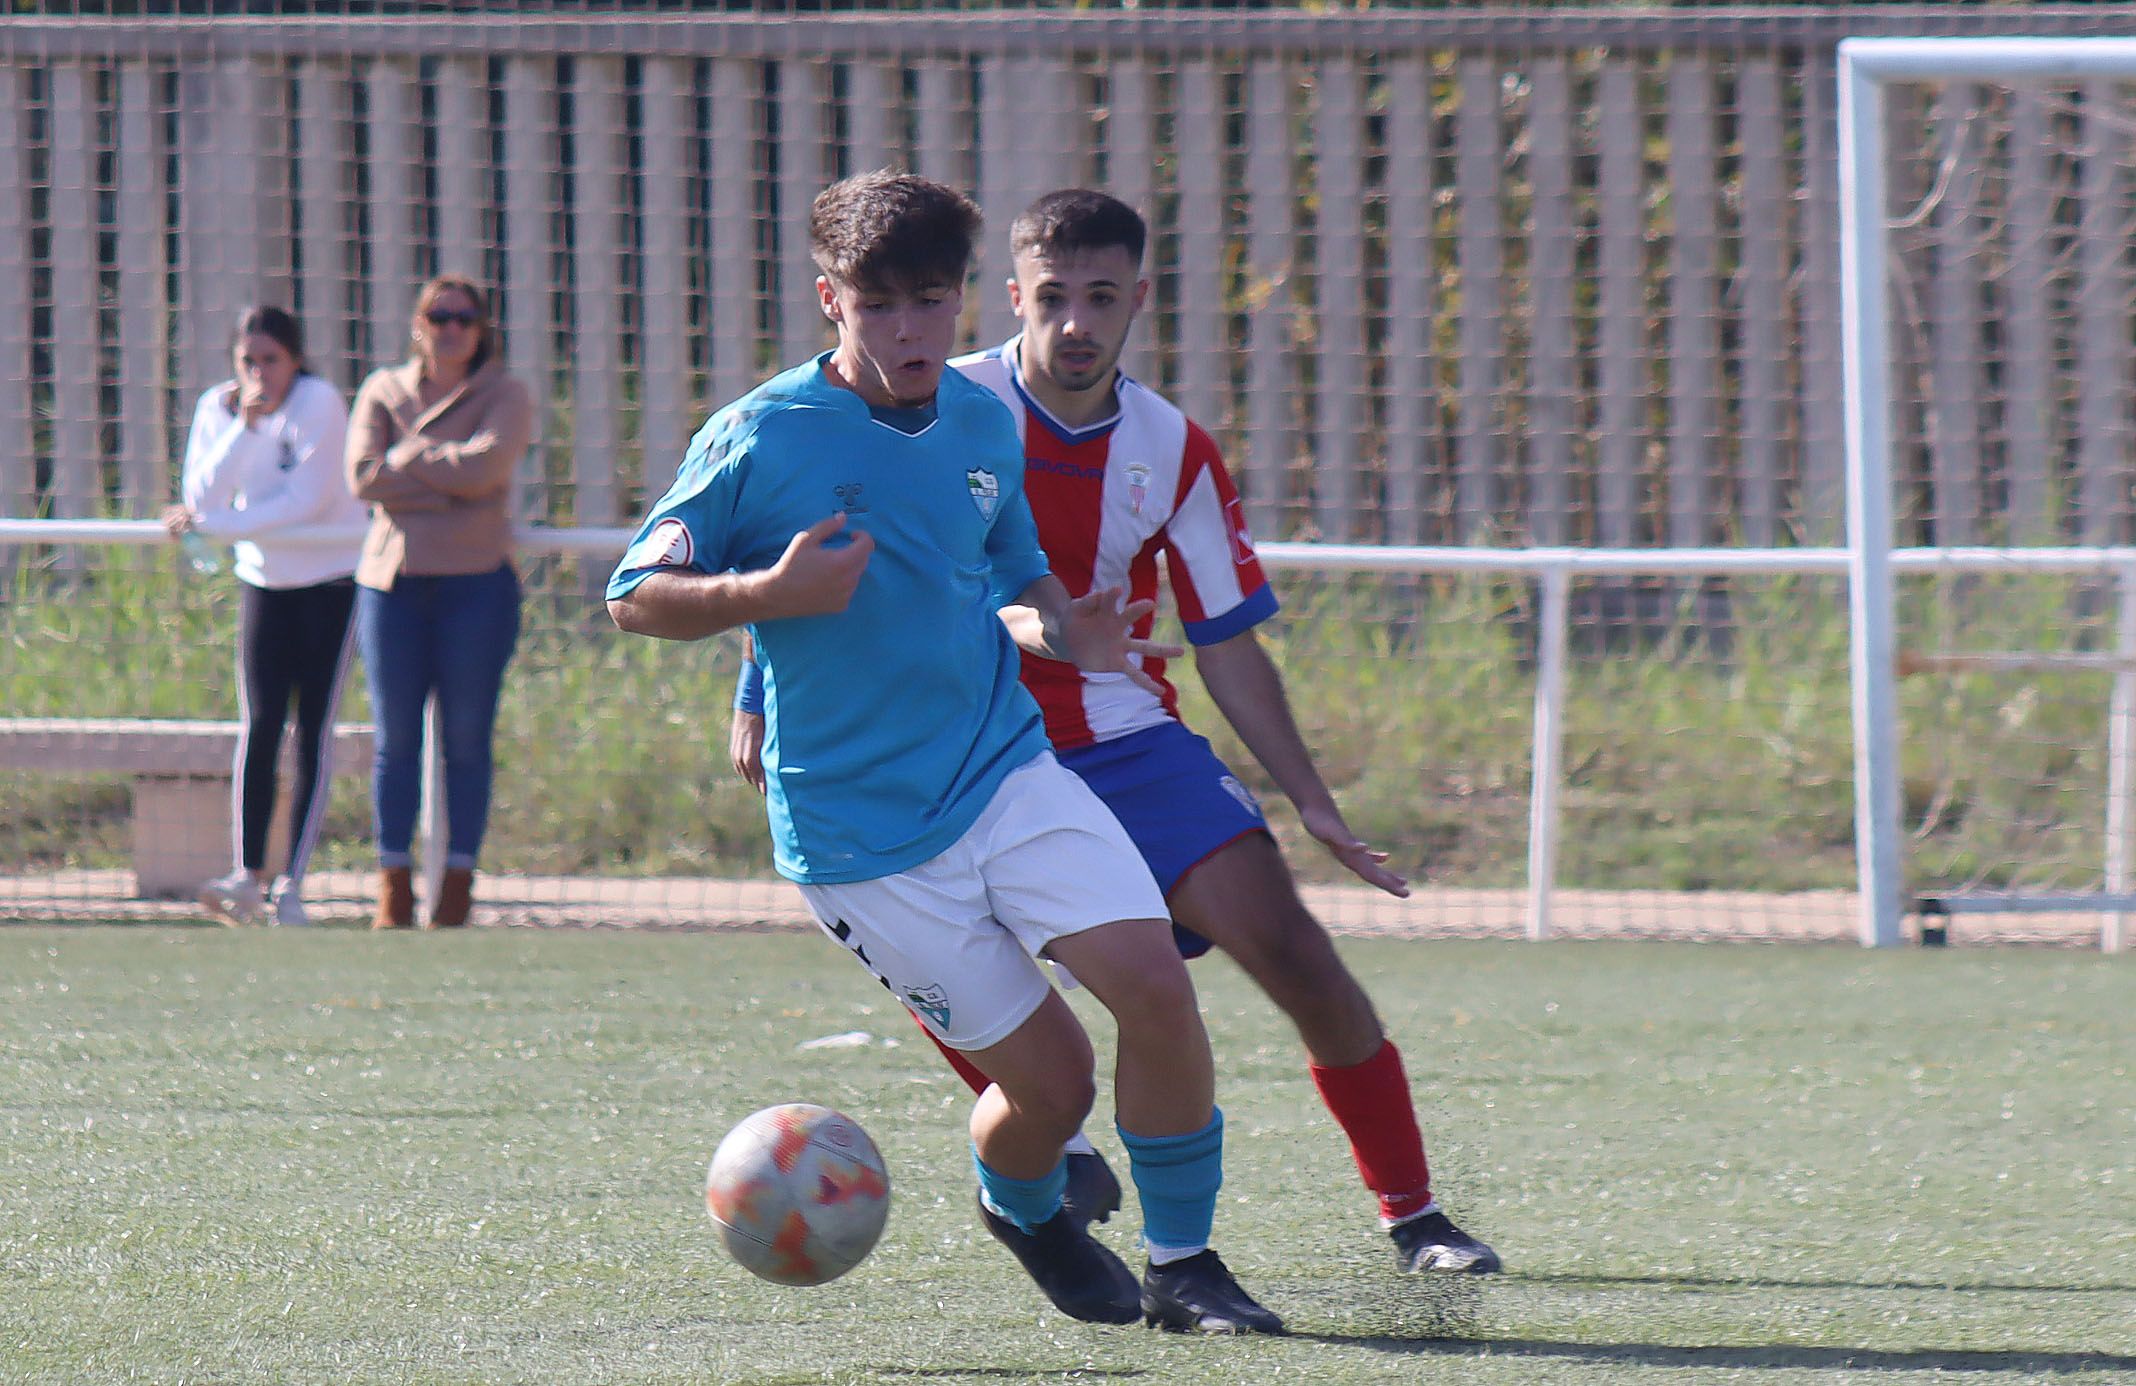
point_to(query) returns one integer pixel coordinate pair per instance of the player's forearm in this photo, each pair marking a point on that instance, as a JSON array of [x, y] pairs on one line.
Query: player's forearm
[[1028, 629], [1034, 620], [1246, 687], [692, 606]]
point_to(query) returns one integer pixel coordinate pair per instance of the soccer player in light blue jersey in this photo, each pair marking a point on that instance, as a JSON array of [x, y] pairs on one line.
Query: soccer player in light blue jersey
[[1118, 476], [855, 513]]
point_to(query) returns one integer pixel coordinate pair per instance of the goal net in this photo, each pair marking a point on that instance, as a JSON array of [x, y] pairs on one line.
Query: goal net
[[1497, 313], [1990, 378]]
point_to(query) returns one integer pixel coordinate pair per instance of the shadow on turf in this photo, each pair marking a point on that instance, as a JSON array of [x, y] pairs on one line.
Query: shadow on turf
[[1441, 1317], [1084, 1373], [1767, 1358], [1753, 1283]]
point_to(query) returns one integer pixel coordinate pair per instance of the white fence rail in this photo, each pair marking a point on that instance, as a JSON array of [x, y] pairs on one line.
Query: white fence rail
[[1554, 570]]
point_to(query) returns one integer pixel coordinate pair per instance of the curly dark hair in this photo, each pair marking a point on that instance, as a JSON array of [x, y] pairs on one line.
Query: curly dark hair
[[893, 232], [1075, 219]]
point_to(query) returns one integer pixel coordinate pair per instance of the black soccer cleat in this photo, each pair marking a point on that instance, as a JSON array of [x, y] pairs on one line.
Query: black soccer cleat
[[1198, 1295], [1082, 1278], [1433, 1243], [1093, 1192]]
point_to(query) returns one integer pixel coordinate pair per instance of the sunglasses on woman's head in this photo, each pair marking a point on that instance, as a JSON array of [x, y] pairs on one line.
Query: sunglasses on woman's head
[[446, 317]]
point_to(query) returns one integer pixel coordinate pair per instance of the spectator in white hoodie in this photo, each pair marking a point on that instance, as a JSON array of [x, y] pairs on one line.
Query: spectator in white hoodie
[[264, 459]]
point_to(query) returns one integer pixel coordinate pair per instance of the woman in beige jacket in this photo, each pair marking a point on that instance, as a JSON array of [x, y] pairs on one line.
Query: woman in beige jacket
[[433, 446]]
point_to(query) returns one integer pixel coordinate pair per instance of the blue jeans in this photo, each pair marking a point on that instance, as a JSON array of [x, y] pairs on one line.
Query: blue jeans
[[450, 636]]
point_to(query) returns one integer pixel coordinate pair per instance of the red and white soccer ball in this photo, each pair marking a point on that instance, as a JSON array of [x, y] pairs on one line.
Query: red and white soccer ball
[[799, 1192]]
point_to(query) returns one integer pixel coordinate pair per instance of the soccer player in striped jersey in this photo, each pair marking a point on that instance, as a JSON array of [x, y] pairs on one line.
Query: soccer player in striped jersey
[[1117, 475]]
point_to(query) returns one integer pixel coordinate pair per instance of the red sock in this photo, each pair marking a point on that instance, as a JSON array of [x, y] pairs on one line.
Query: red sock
[[1371, 1103], [969, 1072]]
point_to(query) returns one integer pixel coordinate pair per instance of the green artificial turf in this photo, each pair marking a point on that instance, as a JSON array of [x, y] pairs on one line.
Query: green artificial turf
[[328, 1156]]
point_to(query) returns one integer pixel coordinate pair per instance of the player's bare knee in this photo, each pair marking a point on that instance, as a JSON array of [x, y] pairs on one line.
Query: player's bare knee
[[1160, 1001], [1059, 1098], [1159, 981]]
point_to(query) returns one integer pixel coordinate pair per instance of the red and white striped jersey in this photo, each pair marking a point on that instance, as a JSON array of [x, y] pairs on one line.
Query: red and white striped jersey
[[1109, 497]]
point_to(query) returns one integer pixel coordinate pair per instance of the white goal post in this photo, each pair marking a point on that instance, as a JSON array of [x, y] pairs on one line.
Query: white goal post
[[1867, 66]]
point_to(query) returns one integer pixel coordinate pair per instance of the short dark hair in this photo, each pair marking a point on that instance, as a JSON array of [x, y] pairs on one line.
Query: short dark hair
[[1075, 219], [893, 231], [266, 320]]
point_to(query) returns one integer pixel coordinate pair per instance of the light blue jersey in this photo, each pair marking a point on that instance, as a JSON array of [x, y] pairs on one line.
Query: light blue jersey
[[890, 725]]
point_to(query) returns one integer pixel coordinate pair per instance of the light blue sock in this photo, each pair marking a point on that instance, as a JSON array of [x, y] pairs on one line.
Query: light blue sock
[[1177, 1178], [1025, 1202]]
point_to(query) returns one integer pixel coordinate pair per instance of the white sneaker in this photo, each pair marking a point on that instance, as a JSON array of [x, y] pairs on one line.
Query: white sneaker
[[289, 906], [234, 899]]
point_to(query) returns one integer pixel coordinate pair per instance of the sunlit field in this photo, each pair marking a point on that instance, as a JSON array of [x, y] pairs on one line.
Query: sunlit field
[[283, 1156]]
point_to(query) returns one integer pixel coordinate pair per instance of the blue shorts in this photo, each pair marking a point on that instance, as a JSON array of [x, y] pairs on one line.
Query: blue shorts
[[1178, 801]]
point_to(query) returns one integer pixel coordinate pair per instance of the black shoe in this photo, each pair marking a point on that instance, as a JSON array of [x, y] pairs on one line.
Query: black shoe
[[1198, 1295], [1082, 1278], [1093, 1192], [1433, 1243]]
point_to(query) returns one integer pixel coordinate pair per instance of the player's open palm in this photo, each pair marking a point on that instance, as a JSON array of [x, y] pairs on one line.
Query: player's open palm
[[1097, 634], [1328, 827], [816, 578]]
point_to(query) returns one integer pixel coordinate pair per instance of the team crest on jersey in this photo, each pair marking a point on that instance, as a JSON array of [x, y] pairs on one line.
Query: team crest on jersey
[[930, 1001], [1241, 793], [985, 490], [665, 545], [1138, 486]]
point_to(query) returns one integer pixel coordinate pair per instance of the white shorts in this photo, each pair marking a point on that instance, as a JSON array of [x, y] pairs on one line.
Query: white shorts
[[957, 937]]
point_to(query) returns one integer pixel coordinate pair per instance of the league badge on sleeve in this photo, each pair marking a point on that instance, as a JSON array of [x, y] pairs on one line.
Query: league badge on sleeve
[[665, 545], [985, 489]]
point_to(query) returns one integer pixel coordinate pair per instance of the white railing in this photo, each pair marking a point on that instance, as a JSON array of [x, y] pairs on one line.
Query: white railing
[[1554, 570]]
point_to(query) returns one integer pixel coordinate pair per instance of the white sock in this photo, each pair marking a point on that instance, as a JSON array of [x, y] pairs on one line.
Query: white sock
[[1162, 1255], [1079, 1144], [1424, 1212]]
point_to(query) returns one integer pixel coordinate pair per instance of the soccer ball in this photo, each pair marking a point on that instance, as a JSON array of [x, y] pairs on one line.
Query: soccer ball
[[799, 1192]]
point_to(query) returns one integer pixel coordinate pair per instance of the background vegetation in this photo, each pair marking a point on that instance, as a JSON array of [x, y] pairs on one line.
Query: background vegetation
[[1707, 743]]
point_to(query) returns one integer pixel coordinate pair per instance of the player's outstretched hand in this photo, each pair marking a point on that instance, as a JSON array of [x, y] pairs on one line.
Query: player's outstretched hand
[[1361, 861], [1097, 636], [745, 746], [814, 579]]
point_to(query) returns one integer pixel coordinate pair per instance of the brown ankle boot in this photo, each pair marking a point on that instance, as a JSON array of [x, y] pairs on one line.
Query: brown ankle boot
[[396, 899], [456, 896]]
